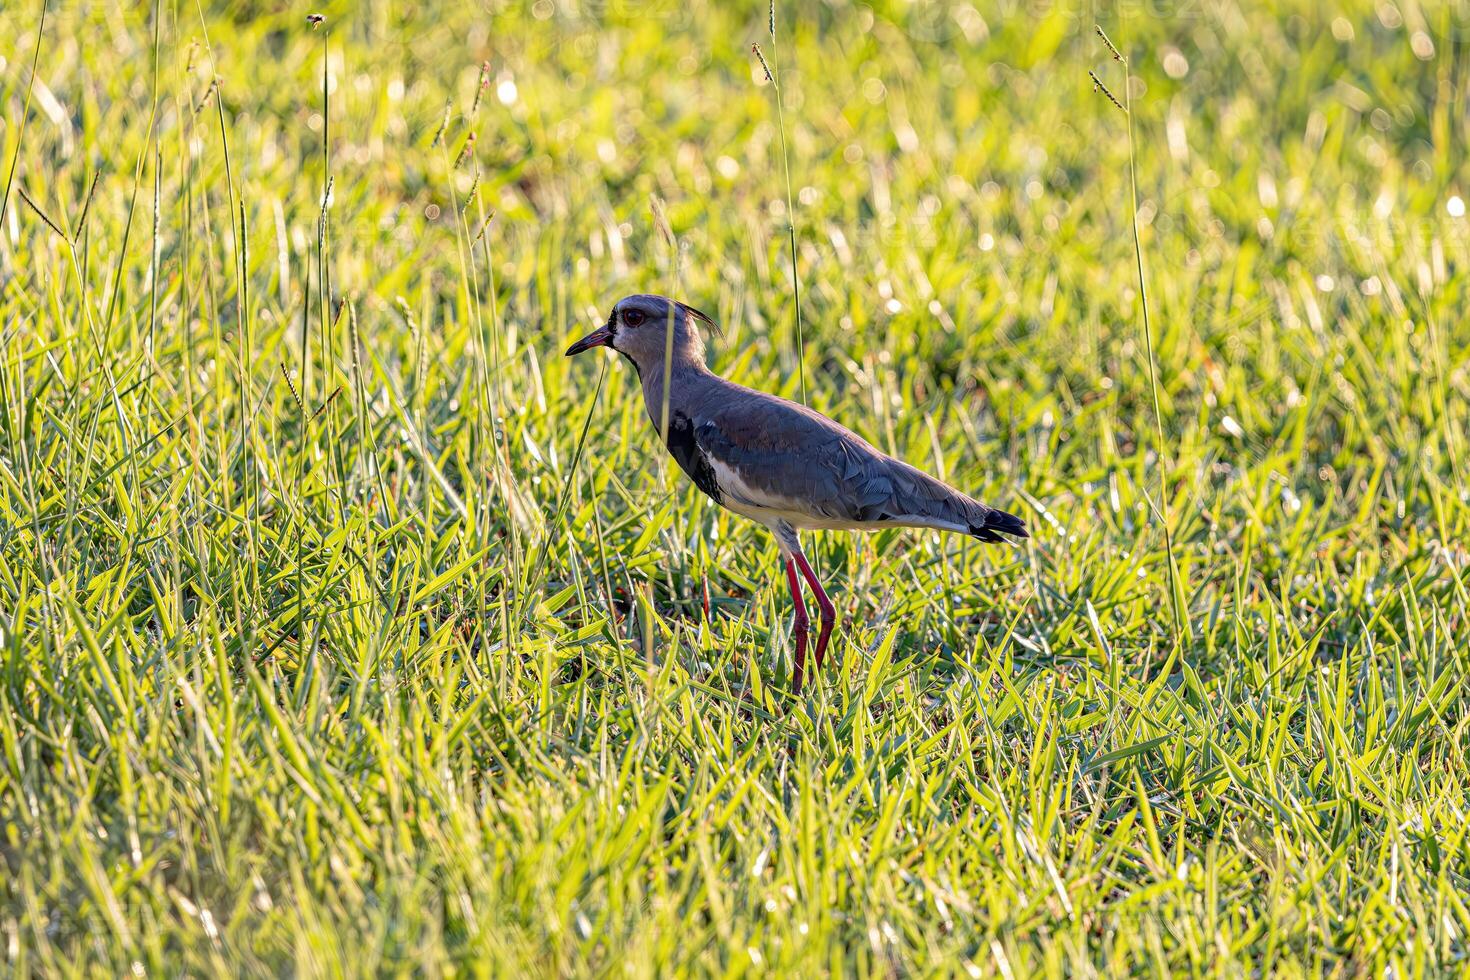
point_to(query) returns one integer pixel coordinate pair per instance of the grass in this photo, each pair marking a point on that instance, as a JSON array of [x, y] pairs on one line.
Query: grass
[[347, 627]]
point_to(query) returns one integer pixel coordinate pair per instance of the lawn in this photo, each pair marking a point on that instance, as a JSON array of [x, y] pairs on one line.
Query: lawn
[[348, 628]]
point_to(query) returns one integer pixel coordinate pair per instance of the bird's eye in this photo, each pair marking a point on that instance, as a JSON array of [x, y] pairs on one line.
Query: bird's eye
[[632, 318]]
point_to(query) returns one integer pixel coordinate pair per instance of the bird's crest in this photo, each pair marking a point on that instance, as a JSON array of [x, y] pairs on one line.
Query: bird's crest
[[701, 317]]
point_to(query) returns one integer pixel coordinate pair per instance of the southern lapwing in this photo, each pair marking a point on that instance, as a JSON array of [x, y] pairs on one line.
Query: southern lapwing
[[775, 461]]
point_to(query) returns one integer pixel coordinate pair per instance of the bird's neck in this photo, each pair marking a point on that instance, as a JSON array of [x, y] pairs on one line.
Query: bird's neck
[[687, 375]]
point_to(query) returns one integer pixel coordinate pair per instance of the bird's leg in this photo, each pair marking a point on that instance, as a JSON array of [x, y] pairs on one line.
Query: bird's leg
[[799, 627], [829, 613]]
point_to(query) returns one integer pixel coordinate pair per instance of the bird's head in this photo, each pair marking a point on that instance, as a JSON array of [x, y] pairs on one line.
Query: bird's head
[[640, 328]]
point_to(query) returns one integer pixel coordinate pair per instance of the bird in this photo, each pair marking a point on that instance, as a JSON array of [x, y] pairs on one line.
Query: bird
[[776, 461]]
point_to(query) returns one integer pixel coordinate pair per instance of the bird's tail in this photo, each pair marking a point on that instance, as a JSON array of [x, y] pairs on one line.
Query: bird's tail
[[996, 523]]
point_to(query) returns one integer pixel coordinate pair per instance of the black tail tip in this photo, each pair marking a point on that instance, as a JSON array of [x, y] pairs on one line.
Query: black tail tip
[[1000, 521]]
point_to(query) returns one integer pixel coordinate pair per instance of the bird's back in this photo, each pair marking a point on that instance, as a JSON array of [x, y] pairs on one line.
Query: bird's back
[[771, 458]]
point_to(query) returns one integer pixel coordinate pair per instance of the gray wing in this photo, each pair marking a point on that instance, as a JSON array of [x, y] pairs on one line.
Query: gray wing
[[769, 452]]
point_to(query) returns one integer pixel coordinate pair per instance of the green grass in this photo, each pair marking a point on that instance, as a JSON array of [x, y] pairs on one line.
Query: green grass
[[346, 627]]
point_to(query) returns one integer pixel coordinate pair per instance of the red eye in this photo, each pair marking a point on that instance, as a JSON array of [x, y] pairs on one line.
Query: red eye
[[632, 318]]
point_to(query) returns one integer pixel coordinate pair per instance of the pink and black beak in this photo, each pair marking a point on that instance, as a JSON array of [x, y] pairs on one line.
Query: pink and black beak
[[601, 337]]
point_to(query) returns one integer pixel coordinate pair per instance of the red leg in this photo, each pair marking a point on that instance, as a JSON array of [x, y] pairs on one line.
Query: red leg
[[799, 627], [829, 613]]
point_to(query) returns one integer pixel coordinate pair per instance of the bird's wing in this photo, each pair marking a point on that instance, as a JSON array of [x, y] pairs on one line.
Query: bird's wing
[[771, 453]]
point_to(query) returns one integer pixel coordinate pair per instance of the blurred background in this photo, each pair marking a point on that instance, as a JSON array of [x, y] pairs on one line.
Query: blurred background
[[315, 545]]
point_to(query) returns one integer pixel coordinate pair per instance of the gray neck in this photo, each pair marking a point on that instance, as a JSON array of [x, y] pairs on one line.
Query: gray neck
[[688, 376]]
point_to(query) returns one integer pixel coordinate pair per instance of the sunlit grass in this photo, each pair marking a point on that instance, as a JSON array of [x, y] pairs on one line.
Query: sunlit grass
[[347, 627]]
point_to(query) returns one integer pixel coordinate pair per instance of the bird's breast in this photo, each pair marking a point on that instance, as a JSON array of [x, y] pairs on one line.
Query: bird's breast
[[691, 459]]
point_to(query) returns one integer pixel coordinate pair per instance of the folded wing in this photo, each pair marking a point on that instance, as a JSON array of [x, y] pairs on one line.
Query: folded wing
[[772, 454]]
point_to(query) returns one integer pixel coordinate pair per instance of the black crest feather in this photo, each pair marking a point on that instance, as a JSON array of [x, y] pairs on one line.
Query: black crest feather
[[701, 317]]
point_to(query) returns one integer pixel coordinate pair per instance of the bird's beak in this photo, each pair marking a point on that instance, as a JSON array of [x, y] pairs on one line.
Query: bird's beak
[[601, 337]]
